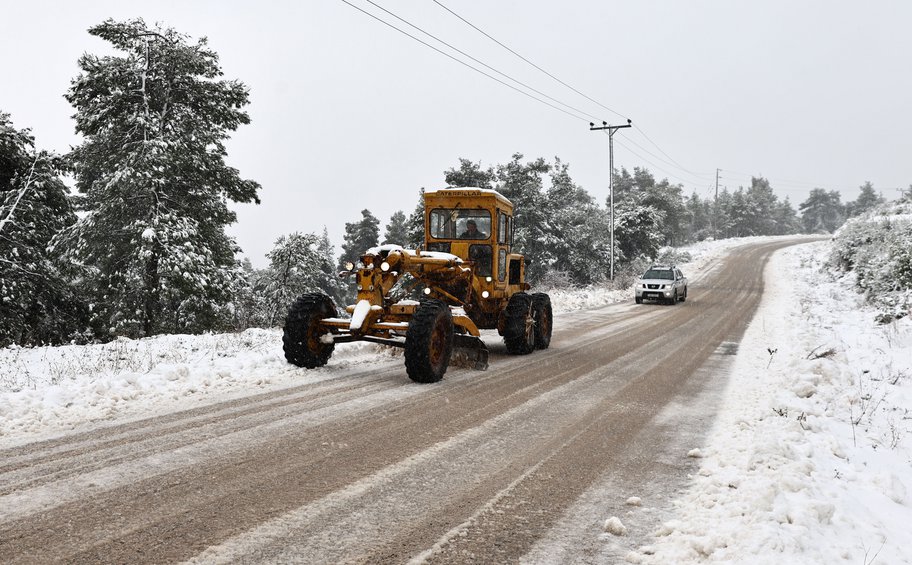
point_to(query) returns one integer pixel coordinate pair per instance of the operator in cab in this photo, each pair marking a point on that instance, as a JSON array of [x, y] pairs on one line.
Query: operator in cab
[[472, 231]]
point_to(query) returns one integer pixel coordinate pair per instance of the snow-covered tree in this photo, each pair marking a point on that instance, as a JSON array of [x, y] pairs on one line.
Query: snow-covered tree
[[522, 184], [662, 196], [577, 235], [637, 229], [867, 199], [822, 211], [786, 218], [359, 237], [397, 229], [698, 218], [36, 304], [328, 278], [295, 267], [470, 174], [415, 225], [250, 303], [155, 186]]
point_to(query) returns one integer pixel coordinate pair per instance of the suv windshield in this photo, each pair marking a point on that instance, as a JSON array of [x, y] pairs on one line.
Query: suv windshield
[[659, 274], [457, 223]]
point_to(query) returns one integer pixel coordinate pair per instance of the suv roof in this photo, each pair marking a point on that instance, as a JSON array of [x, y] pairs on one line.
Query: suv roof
[[662, 267]]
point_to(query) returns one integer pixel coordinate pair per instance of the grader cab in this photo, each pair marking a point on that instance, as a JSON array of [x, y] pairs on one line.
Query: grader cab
[[467, 277]]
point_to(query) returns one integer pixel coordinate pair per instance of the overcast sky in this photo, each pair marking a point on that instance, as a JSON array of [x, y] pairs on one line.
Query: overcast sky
[[348, 113]]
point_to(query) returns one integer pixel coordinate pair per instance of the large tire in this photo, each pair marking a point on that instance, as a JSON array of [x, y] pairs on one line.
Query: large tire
[[519, 325], [429, 342], [301, 339], [541, 310]]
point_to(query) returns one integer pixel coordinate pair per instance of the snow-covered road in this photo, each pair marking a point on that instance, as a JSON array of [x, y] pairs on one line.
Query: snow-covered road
[[241, 456]]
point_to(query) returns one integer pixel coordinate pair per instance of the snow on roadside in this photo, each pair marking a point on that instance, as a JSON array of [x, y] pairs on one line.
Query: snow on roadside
[[50, 390], [810, 459]]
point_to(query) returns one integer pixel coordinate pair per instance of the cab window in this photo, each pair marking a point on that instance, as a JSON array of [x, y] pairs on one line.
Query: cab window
[[503, 228], [450, 223]]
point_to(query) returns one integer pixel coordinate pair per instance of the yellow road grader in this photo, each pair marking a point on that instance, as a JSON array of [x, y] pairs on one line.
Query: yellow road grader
[[466, 275]]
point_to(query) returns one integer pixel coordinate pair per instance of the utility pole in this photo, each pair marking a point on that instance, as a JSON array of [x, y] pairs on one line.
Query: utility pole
[[717, 182], [611, 130]]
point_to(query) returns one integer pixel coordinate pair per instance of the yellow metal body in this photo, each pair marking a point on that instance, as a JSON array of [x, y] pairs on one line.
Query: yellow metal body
[[470, 267]]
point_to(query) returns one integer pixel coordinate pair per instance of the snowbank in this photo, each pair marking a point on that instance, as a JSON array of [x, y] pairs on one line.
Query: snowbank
[[49, 390], [808, 461]]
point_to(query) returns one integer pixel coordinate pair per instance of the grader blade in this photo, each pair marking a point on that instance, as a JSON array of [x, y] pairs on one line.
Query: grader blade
[[469, 351]]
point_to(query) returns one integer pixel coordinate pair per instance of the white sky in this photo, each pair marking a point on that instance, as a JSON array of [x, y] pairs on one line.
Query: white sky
[[349, 114]]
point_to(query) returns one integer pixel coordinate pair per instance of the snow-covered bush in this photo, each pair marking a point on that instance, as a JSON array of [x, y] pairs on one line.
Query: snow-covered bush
[[877, 248]]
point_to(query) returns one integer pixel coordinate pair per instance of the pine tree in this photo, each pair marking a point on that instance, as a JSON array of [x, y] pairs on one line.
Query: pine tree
[[698, 218], [470, 174], [786, 218], [663, 196], [822, 211], [576, 226], [637, 229], [37, 306], [762, 204], [397, 229], [154, 180], [415, 225], [295, 267], [867, 199], [359, 237], [522, 184], [249, 302], [329, 281]]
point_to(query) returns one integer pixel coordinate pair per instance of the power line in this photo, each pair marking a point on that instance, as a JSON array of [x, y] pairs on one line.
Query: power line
[[476, 28], [694, 175], [657, 167], [464, 63], [680, 166], [463, 53], [587, 97]]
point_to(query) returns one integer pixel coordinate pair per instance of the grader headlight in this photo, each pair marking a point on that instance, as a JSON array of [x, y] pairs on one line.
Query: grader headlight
[[349, 266], [384, 266], [485, 294]]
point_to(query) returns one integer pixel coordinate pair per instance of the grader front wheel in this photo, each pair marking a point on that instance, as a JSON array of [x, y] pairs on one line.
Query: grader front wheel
[[429, 342], [302, 334]]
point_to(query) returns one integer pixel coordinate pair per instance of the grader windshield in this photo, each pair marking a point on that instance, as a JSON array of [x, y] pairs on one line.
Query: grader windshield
[[456, 223]]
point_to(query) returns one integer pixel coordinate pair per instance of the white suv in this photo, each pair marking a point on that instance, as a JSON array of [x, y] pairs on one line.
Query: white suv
[[662, 282]]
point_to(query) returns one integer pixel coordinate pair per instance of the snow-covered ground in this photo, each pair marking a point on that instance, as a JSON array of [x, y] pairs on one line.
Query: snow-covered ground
[[809, 461]]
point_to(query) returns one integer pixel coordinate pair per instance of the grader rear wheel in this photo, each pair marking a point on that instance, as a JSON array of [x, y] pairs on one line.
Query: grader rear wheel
[[429, 342], [519, 326], [302, 334]]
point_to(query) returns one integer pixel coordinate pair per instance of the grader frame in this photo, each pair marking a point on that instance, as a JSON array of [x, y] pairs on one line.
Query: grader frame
[[468, 279]]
